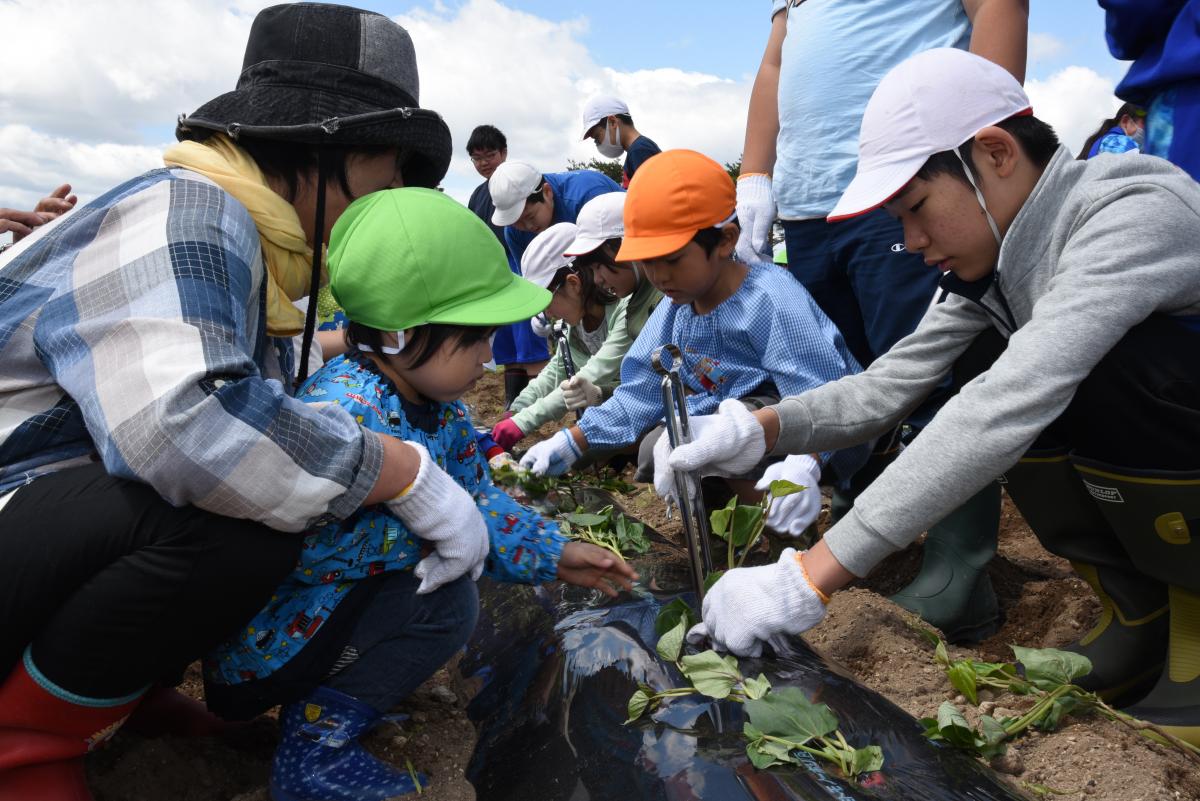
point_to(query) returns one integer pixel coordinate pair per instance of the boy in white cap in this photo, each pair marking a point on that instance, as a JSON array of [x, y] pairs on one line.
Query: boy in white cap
[[608, 123], [604, 304], [1096, 386], [527, 203]]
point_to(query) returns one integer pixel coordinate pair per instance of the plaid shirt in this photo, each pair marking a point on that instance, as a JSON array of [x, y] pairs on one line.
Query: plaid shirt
[[770, 332], [133, 330]]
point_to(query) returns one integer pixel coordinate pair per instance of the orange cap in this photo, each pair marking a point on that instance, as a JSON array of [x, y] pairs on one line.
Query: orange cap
[[671, 197]]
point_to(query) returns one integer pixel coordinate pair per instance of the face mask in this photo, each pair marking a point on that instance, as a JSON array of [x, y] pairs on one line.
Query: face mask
[[610, 148], [1139, 138]]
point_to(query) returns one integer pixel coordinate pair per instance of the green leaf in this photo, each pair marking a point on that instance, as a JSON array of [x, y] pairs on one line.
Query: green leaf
[[1058, 710], [781, 487], [962, 676], [993, 735], [787, 713], [711, 674], [760, 758], [586, 519], [757, 688], [670, 615], [745, 520], [1049, 668], [954, 729], [994, 670], [940, 656], [719, 519], [671, 643], [637, 705], [711, 579], [866, 760]]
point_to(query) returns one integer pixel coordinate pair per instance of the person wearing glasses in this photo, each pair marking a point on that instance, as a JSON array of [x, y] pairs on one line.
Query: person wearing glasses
[[488, 148]]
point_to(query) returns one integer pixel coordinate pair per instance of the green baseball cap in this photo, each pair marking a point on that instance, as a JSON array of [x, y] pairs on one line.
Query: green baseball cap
[[401, 258]]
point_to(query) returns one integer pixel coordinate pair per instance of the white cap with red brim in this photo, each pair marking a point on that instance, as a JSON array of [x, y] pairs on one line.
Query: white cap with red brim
[[927, 104]]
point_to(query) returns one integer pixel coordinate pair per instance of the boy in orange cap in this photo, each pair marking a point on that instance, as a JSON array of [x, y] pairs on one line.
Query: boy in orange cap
[[745, 330]]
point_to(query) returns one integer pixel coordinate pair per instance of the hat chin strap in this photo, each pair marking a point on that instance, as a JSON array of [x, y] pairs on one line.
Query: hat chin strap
[[390, 350], [314, 285], [991, 221]]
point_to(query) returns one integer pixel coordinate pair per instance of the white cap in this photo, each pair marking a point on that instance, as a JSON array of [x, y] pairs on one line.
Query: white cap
[[602, 218], [930, 103], [597, 108], [543, 258], [511, 184]]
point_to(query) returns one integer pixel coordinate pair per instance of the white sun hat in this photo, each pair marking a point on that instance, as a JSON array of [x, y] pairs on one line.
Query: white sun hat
[[930, 103], [601, 219], [599, 107], [543, 258], [511, 185]]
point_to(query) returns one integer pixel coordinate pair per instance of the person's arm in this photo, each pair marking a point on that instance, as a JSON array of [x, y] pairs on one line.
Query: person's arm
[[1000, 32], [1102, 287], [525, 547], [762, 117], [544, 384], [167, 384], [22, 223], [857, 408]]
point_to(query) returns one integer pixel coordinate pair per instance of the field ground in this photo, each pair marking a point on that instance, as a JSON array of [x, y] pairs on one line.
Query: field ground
[[1043, 603]]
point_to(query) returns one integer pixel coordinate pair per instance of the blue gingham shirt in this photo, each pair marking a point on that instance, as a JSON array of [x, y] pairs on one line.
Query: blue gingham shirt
[[132, 330], [770, 331]]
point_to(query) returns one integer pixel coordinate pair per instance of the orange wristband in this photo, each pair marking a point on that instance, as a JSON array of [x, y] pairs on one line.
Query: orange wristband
[[748, 174], [804, 571]]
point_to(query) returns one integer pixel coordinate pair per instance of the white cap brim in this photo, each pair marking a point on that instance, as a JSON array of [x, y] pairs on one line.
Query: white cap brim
[[872, 188], [587, 126], [507, 216], [582, 245]]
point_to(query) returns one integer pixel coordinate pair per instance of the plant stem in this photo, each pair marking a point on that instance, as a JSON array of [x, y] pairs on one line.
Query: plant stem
[[1148, 730]]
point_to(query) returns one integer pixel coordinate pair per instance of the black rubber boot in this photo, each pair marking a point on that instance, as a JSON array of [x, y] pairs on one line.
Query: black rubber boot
[[953, 590], [515, 380], [1128, 644], [1156, 515]]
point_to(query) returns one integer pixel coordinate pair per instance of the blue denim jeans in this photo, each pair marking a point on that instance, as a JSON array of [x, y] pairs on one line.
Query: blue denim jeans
[[402, 638], [858, 272]]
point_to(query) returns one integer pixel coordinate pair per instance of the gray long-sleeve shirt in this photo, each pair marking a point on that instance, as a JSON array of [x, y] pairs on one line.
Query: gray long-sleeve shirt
[[1097, 247]]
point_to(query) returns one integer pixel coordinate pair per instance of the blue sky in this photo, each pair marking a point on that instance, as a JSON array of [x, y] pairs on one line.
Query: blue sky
[[106, 109], [727, 38]]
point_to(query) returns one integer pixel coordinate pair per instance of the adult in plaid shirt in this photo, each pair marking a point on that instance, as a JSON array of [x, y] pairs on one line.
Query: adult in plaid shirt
[[155, 471]]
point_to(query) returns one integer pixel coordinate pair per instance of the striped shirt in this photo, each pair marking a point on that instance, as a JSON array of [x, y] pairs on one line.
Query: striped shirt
[[133, 330]]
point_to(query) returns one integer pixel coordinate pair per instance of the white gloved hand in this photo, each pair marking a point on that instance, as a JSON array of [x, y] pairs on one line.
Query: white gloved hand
[[552, 457], [579, 393], [438, 510], [727, 443], [794, 513], [664, 476], [756, 215], [750, 605], [541, 326]]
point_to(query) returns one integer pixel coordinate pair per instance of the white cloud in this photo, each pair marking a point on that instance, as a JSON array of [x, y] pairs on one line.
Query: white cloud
[[1074, 101], [1044, 46], [484, 62]]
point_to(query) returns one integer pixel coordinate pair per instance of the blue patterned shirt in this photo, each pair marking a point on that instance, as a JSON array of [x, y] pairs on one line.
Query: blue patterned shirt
[[525, 546], [133, 330], [769, 333]]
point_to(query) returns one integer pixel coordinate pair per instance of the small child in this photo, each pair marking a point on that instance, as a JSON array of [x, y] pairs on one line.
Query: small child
[[604, 305], [354, 629], [744, 330]]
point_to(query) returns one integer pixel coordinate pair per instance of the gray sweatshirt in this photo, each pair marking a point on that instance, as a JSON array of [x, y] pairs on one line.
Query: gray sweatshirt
[[1098, 246]]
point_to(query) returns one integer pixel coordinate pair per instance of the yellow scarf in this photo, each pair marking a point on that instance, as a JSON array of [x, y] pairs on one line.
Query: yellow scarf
[[285, 249]]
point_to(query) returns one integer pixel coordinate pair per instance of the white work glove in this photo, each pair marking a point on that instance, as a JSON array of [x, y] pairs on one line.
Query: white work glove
[[750, 605], [502, 459], [727, 443], [579, 393], [664, 476], [438, 510], [794, 513], [552, 457], [541, 326], [756, 215]]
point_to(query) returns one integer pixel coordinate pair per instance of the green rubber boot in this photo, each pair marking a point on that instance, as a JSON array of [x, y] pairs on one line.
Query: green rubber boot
[[1156, 515], [1128, 644], [953, 590]]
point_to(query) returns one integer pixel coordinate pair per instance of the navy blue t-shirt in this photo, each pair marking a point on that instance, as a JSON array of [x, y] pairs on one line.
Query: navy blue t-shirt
[[642, 148]]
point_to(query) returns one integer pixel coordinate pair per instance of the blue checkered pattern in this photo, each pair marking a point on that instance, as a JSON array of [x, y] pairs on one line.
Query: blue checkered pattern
[[768, 332], [133, 330]]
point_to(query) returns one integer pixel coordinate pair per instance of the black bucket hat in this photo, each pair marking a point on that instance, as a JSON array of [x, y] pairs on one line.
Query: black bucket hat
[[330, 75]]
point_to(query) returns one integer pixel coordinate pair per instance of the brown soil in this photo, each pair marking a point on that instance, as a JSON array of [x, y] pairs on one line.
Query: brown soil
[[1043, 603]]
